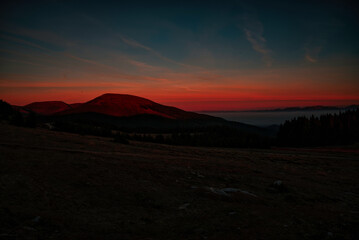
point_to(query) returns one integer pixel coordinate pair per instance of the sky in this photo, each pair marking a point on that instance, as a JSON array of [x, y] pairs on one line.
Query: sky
[[195, 55]]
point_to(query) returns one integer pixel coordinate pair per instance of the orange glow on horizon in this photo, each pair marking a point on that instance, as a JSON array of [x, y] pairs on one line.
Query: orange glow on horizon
[[194, 91], [193, 102]]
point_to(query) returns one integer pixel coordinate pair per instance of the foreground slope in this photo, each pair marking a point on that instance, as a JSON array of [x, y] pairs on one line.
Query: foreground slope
[[66, 186]]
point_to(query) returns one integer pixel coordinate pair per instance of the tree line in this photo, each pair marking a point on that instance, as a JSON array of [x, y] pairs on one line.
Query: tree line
[[215, 136], [329, 129]]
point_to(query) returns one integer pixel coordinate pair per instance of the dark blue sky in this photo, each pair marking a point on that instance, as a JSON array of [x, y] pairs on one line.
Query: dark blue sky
[[193, 54]]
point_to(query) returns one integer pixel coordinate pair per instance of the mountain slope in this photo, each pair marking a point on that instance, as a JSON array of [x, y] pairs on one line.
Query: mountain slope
[[122, 111], [48, 107], [122, 105]]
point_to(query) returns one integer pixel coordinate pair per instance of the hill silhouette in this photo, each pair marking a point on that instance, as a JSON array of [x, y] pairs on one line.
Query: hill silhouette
[[47, 107], [127, 117], [127, 112], [140, 119], [117, 105]]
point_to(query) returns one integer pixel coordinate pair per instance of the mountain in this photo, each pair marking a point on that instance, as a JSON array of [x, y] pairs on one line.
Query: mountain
[[309, 108], [47, 108], [128, 112], [123, 105]]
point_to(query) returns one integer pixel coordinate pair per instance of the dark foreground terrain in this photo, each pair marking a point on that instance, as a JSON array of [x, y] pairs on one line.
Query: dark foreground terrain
[[57, 185]]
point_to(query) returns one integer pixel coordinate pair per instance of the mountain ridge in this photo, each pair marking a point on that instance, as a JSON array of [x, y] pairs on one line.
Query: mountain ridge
[[47, 107], [112, 104], [296, 109]]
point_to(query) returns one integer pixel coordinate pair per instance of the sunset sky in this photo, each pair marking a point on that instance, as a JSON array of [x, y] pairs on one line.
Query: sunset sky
[[195, 55]]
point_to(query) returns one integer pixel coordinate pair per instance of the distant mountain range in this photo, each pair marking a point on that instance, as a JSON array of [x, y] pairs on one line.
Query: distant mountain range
[[123, 105], [122, 110], [298, 109], [117, 105], [309, 108]]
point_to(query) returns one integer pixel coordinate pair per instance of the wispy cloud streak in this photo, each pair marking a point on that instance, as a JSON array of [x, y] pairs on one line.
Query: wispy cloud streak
[[22, 41], [134, 43], [311, 54], [253, 30]]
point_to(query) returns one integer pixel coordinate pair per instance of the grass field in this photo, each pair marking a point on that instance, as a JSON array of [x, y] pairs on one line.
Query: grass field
[[56, 185]]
